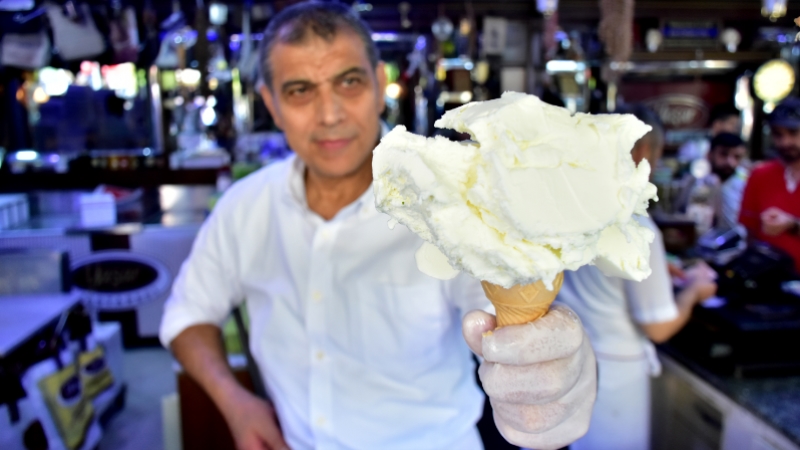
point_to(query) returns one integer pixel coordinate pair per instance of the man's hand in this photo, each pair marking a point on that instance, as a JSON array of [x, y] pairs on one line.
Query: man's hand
[[541, 377], [703, 289], [251, 420], [775, 221], [253, 423]]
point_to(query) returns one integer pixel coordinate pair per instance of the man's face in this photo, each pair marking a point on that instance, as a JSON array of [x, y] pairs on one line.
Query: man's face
[[787, 142], [327, 99], [725, 160]]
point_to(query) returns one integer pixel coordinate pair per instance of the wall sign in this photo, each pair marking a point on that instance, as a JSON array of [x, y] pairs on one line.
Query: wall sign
[[115, 280], [680, 110], [682, 106]]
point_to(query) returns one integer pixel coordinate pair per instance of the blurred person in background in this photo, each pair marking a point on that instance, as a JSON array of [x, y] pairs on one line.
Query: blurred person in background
[[723, 185], [357, 347], [622, 317], [724, 118], [771, 203]]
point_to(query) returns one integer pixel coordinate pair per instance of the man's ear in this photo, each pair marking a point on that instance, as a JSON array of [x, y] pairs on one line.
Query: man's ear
[[380, 74], [272, 107]]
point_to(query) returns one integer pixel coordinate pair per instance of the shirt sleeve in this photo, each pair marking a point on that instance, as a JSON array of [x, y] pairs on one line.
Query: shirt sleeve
[[651, 300], [207, 287], [749, 214]]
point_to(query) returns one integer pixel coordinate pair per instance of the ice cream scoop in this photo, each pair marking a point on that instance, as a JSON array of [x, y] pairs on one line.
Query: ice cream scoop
[[535, 192]]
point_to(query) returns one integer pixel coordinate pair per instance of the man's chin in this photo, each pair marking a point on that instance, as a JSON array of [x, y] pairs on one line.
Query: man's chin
[[337, 169], [723, 176], [790, 158]]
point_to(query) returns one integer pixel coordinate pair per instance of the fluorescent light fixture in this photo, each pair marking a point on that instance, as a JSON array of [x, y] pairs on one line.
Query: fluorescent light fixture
[[385, 37], [26, 155], [562, 65], [456, 63]]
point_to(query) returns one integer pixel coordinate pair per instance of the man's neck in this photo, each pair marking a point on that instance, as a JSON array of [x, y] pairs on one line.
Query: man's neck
[[327, 196], [794, 168]]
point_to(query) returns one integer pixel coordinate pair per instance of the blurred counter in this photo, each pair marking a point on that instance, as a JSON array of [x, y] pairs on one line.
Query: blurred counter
[[701, 409], [124, 271]]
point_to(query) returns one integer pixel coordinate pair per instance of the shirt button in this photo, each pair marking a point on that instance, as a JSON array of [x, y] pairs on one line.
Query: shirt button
[[316, 296], [320, 355], [321, 421], [324, 235]]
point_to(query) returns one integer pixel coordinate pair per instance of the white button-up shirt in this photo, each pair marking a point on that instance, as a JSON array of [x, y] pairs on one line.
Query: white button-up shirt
[[358, 349]]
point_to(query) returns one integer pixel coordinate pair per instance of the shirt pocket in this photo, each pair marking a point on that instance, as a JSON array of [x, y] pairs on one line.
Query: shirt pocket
[[403, 326]]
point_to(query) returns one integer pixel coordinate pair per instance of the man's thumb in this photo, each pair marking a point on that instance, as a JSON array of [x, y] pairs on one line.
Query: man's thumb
[[473, 326]]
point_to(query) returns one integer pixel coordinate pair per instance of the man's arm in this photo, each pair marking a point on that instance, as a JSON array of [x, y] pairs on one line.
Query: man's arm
[[205, 291], [252, 420], [659, 332]]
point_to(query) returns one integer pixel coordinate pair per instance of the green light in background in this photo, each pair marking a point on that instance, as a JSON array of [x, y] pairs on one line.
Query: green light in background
[[168, 80], [392, 72]]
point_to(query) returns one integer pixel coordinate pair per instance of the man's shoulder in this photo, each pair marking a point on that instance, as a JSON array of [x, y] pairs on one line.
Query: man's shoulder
[[767, 169], [256, 185]]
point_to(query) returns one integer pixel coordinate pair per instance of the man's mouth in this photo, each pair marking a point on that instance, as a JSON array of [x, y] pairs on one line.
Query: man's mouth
[[789, 155], [333, 144]]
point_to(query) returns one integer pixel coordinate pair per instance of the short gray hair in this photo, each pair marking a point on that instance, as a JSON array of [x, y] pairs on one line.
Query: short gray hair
[[291, 26]]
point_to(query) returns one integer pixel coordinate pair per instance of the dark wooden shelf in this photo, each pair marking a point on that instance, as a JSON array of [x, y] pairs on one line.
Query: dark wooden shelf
[[89, 179]]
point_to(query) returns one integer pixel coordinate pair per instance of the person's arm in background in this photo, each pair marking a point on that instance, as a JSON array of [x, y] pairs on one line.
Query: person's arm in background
[[658, 313], [204, 293], [691, 295]]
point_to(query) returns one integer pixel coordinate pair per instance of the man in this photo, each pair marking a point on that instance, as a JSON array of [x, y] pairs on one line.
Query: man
[[724, 186], [771, 203], [622, 317], [724, 118], [357, 348]]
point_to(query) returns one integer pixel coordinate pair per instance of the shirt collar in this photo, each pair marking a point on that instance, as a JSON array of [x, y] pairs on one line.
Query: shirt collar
[[364, 205], [791, 181]]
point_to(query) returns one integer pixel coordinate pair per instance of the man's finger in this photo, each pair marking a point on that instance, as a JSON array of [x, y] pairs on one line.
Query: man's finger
[[272, 437], [254, 442], [532, 385], [473, 326], [556, 335], [538, 418], [561, 435]]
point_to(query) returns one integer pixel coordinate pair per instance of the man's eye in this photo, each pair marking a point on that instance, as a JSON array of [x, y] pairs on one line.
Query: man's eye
[[351, 81], [298, 91]]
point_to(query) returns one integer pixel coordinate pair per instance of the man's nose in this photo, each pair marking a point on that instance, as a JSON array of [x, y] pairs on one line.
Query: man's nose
[[330, 108], [780, 142]]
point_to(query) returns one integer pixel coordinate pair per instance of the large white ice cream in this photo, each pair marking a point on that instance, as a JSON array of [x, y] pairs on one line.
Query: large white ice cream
[[538, 191]]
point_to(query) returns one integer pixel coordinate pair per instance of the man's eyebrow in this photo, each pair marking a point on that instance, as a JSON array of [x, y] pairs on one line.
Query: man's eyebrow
[[350, 71], [292, 83]]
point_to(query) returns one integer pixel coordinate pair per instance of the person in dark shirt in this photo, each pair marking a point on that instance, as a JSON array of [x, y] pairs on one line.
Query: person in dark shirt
[[723, 185]]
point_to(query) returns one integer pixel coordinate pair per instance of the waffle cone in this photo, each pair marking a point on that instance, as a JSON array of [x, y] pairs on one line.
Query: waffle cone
[[521, 304]]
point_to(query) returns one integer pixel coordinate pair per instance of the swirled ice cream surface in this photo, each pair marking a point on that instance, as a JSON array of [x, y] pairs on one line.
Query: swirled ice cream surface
[[535, 192]]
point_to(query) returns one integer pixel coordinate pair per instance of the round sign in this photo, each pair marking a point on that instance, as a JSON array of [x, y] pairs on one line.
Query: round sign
[[118, 280]]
